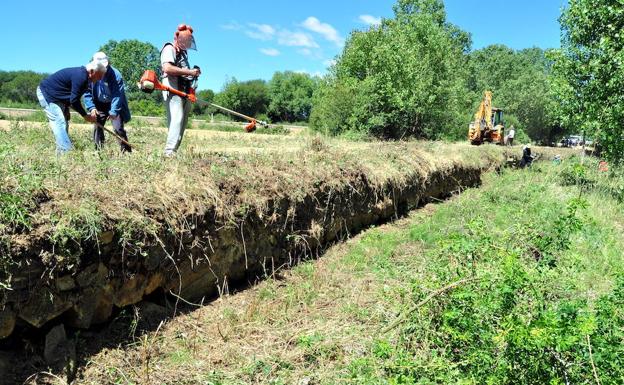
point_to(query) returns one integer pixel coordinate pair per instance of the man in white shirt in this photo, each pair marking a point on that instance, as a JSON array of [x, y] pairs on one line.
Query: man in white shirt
[[178, 75], [510, 136]]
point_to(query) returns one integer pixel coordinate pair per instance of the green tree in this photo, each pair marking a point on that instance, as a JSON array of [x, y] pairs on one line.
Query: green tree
[[20, 87], [403, 78], [201, 108], [132, 58], [589, 72], [520, 84], [249, 97], [290, 95]]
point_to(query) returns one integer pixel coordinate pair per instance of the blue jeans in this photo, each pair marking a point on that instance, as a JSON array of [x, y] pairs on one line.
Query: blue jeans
[[58, 116]]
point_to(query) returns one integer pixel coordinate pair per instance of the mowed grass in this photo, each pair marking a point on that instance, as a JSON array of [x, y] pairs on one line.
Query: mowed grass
[[72, 198], [519, 281]]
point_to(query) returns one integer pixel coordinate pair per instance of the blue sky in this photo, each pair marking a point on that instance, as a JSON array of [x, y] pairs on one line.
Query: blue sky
[[245, 39]]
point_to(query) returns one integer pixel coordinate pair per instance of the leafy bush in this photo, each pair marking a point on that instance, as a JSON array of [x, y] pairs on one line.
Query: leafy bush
[[402, 78]]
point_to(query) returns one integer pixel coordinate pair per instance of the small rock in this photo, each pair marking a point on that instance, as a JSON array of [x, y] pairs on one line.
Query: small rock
[[7, 322], [59, 352], [92, 275], [131, 291], [65, 283], [104, 307], [154, 282], [106, 237], [55, 342], [81, 314], [43, 306], [5, 368]]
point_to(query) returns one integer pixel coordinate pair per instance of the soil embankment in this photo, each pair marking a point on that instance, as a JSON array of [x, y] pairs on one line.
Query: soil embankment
[[212, 251]]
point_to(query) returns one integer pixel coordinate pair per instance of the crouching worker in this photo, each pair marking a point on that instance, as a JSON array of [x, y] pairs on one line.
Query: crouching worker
[[106, 99], [63, 89], [177, 74], [527, 158]]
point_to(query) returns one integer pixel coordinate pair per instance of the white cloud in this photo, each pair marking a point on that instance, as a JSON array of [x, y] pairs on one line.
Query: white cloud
[[296, 39], [370, 20], [329, 63], [233, 26], [270, 51], [324, 29], [260, 31]]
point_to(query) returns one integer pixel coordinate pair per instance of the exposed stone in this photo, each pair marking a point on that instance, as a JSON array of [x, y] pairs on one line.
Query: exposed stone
[[43, 306], [151, 314], [81, 314], [154, 282], [65, 283], [131, 291], [55, 342], [59, 352], [7, 322], [91, 275], [104, 306], [106, 237]]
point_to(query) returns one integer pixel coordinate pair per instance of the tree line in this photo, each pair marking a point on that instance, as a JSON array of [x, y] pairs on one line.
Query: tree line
[[286, 97], [416, 75]]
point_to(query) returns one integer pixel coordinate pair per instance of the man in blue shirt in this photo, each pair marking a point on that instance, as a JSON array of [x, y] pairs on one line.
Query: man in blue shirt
[[107, 100], [63, 89]]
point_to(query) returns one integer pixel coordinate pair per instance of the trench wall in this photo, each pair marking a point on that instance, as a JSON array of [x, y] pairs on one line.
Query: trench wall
[[212, 254]]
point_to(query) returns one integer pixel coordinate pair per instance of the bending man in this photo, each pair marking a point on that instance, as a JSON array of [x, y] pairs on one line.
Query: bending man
[[177, 74], [106, 99], [63, 89]]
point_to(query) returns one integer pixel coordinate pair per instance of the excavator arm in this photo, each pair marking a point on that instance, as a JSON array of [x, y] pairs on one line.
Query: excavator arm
[[482, 120], [482, 129]]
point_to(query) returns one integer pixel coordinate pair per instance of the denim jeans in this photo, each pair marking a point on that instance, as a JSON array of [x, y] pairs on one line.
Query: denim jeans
[[58, 116]]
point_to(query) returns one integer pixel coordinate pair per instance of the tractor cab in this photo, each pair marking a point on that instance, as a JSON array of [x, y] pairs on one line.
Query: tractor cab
[[497, 117]]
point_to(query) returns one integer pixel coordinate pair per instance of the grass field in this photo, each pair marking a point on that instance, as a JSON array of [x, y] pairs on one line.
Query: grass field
[[323, 322], [519, 281]]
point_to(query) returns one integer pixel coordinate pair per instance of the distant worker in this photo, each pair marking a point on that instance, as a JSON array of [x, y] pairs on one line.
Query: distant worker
[[106, 99], [527, 158], [177, 74], [63, 89], [511, 135]]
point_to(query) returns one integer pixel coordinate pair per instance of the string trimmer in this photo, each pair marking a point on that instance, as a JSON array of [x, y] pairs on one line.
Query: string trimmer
[[149, 82]]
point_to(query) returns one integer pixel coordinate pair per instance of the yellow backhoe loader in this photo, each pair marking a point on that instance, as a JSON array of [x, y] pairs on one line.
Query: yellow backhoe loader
[[488, 123]]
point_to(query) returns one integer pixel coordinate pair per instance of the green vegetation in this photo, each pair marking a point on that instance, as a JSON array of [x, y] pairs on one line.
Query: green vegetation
[[519, 281], [290, 95], [250, 98], [433, 87], [403, 78], [19, 88], [588, 72]]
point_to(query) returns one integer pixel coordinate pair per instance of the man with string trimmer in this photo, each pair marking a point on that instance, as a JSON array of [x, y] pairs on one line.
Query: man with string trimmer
[[177, 75]]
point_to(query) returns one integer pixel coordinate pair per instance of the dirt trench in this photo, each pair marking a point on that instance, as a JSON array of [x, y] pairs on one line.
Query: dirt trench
[[211, 255]]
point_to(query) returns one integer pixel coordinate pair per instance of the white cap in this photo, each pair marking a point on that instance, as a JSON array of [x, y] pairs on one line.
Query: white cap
[[100, 57]]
